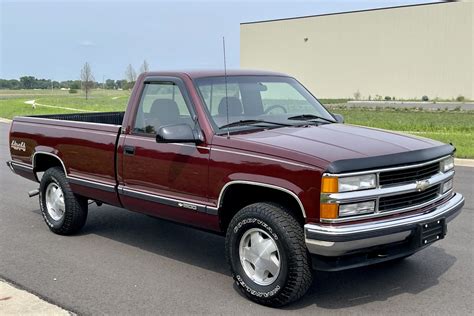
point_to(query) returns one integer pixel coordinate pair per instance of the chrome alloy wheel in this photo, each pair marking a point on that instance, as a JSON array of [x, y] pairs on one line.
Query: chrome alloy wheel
[[55, 201], [259, 256]]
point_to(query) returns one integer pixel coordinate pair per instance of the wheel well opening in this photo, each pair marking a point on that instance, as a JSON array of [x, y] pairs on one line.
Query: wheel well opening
[[238, 196], [43, 162]]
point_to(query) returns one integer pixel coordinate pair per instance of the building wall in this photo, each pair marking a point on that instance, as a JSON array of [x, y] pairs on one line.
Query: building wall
[[404, 52]]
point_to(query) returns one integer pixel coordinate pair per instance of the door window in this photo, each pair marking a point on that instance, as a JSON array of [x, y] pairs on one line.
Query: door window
[[161, 104]]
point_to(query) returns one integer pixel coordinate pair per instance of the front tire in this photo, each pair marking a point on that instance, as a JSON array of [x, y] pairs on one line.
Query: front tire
[[64, 212], [267, 254]]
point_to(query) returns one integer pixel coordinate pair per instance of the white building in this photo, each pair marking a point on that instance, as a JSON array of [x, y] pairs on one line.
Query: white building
[[402, 52]]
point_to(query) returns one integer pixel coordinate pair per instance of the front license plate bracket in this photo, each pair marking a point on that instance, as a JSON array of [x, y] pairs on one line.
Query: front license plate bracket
[[432, 231]]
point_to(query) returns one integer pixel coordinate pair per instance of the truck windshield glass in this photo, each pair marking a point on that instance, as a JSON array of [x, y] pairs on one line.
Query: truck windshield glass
[[263, 98]]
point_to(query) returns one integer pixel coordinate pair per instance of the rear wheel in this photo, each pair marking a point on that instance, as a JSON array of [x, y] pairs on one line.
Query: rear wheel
[[267, 254], [64, 212]]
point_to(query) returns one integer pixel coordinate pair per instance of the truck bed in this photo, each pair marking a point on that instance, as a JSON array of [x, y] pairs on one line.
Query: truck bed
[[112, 118], [84, 142]]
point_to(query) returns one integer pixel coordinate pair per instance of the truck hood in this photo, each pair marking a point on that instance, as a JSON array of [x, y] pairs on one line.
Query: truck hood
[[334, 142]]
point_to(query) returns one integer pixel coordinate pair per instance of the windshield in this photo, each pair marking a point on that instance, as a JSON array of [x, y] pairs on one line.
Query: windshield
[[271, 99]]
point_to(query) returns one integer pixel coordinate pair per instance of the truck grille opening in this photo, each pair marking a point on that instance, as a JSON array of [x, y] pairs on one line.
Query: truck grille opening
[[400, 201], [408, 175]]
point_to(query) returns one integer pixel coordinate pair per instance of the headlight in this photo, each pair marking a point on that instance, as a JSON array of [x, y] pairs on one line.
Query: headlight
[[447, 164], [355, 183], [346, 184], [356, 208]]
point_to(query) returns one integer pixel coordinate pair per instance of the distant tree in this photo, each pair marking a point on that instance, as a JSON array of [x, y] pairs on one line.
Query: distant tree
[[120, 84], [87, 79], [76, 85], [9, 84], [131, 76], [109, 84], [27, 82], [145, 67]]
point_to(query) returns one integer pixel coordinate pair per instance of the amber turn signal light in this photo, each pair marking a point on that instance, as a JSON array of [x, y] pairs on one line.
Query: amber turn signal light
[[329, 210], [329, 185]]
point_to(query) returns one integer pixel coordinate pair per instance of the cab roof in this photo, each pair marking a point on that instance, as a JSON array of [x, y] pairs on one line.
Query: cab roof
[[193, 74]]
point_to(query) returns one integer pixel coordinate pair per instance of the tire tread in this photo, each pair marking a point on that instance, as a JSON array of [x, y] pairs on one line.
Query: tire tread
[[76, 207], [299, 271]]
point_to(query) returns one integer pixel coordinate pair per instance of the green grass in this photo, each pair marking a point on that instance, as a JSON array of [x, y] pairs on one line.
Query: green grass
[[12, 103], [333, 101], [454, 127]]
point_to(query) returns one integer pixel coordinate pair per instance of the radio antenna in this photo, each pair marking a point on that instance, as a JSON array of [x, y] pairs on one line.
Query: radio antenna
[[225, 83]]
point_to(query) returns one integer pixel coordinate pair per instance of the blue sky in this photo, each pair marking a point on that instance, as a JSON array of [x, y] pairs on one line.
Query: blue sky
[[53, 39]]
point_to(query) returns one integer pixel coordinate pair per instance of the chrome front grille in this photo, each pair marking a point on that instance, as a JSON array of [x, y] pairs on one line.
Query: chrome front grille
[[398, 190], [401, 201], [408, 175]]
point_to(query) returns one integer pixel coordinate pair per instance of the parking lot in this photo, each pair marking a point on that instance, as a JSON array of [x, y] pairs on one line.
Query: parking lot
[[129, 263]]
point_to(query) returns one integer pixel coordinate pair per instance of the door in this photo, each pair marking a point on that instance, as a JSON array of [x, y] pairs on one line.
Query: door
[[166, 180]]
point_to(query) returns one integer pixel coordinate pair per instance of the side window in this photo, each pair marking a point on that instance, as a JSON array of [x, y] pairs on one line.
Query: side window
[[161, 104]]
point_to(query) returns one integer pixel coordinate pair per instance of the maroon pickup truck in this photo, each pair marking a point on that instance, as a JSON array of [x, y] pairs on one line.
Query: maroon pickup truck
[[253, 156]]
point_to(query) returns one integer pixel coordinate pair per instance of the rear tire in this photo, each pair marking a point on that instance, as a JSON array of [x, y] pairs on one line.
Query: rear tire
[[267, 254], [64, 212]]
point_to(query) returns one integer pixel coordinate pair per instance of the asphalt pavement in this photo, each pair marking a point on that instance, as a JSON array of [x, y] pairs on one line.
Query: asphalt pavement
[[125, 263]]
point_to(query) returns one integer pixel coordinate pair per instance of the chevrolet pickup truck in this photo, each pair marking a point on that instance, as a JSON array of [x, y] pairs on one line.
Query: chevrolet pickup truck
[[251, 155]]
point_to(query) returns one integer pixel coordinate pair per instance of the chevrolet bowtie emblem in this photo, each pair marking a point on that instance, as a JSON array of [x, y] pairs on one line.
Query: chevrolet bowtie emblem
[[422, 185]]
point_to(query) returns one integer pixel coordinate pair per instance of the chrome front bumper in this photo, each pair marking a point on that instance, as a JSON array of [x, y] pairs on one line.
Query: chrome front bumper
[[331, 241]]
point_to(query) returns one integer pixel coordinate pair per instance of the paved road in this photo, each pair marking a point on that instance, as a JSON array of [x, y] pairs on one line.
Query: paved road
[[128, 263]]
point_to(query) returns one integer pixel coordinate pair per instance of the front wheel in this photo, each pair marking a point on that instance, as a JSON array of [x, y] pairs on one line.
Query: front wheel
[[64, 212], [267, 254]]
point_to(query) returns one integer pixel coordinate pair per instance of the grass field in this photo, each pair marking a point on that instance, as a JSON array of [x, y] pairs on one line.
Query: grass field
[[454, 127], [447, 126], [12, 102]]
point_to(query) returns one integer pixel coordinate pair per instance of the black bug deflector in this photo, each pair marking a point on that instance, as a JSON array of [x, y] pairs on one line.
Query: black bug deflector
[[391, 160]]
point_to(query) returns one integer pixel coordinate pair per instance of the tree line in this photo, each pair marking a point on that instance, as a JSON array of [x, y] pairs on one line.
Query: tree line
[[86, 83]]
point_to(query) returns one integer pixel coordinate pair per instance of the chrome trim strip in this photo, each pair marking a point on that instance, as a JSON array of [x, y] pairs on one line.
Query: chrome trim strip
[[264, 157], [9, 164], [20, 165], [212, 210], [92, 184], [385, 169], [345, 230], [167, 200], [270, 186]]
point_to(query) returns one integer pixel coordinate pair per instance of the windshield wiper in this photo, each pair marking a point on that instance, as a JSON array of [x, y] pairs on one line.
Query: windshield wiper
[[251, 122], [309, 117]]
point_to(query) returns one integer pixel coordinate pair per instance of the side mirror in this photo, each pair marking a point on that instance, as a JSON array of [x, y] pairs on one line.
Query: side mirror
[[339, 118], [179, 133]]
